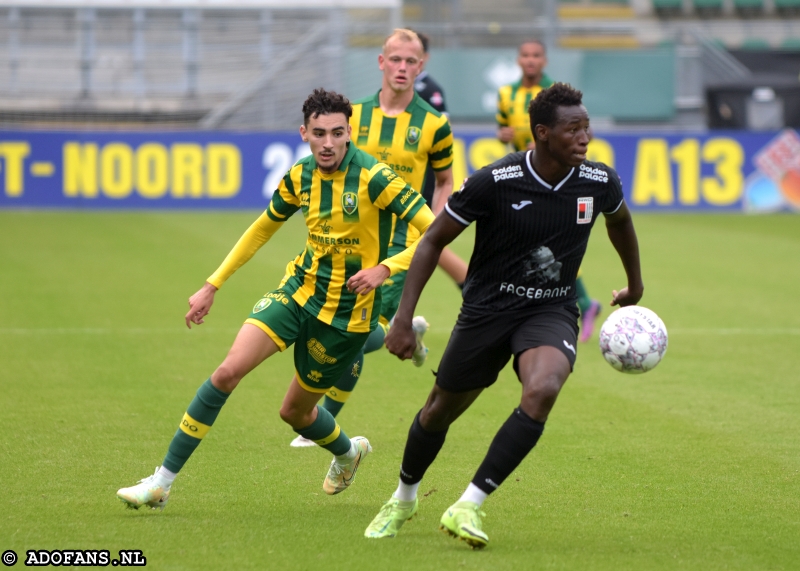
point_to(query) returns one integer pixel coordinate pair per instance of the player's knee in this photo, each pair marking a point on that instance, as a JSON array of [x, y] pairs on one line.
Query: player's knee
[[295, 416], [543, 392], [288, 413], [225, 378], [435, 416]]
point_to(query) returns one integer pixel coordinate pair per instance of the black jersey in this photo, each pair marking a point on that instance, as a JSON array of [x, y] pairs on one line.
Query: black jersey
[[430, 91], [530, 236]]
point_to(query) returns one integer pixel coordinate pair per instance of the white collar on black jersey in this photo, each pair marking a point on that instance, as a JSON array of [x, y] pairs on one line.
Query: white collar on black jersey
[[540, 179]]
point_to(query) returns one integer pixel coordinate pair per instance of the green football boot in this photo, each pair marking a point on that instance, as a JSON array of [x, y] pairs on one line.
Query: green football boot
[[391, 518], [463, 520]]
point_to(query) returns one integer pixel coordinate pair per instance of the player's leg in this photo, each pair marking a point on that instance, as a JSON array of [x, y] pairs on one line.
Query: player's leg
[[474, 356], [337, 396], [589, 308], [422, 446], [251, 347], [545, 349], [322, 354], [391, 291]]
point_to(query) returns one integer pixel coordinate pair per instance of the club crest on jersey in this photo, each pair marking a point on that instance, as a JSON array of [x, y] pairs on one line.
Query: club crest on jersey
[[585, 210], [412, 135], [262, 304], [349, 202]]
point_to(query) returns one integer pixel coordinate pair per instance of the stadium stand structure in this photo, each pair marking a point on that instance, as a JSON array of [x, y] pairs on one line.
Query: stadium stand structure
[[243, 64]]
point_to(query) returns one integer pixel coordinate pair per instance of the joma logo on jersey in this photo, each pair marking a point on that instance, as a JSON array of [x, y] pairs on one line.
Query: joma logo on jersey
[[585, 210], [412, 135], [318, 352], [349, 202]]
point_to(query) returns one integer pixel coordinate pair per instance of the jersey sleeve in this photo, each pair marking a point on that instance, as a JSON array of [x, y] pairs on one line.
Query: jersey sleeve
[[401, 261], [473, 199], [612, 199], [441, 153], [285, 201], [254, 237], [502, 109], [389, 192]]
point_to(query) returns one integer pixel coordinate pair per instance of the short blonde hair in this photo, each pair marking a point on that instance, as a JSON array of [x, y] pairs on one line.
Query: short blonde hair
[[404, 35]]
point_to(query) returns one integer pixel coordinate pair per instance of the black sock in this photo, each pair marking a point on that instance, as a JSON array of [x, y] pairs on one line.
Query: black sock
[[421, 450], [518, 435]]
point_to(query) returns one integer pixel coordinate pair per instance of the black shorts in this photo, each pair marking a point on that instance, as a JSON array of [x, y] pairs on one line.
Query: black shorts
[[480, 346]]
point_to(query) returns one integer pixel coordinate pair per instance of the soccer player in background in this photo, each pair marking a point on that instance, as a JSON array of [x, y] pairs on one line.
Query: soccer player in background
[[433, 94], [325, 305], [538, 207], [513, 128], [397, 127]]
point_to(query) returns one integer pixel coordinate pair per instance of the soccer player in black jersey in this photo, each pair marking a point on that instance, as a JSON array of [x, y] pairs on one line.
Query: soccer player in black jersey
[[534, 212], [433, 94]]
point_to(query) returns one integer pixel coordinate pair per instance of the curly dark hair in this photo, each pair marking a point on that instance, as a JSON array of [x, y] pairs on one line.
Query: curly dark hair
[[543, 110], [322, 102]]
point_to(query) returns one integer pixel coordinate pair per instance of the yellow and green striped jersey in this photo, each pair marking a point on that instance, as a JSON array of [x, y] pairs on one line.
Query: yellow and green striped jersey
[[512, 110], [349, 218], [406, 142]]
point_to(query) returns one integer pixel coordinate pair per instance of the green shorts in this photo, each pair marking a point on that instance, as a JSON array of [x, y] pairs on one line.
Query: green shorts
[[321, 352], [391, 290]]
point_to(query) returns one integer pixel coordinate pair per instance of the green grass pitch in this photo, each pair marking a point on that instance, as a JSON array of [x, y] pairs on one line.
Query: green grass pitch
[[694, 466]]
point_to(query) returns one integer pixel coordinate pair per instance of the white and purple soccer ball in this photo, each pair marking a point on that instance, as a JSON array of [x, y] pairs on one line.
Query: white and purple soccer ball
[[633, 339]]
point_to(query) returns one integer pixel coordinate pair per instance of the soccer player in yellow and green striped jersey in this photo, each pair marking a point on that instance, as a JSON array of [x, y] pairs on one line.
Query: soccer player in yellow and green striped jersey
[[398, 127], [326, 305], [512, 116]]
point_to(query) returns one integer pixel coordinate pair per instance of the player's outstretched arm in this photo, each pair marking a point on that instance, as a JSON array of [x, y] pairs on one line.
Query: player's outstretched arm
[[442, 189], [622, 234], [401, 341], [200, 304]]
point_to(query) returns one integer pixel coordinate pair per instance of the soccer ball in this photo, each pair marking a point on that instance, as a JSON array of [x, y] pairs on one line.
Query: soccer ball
[[633, 339]]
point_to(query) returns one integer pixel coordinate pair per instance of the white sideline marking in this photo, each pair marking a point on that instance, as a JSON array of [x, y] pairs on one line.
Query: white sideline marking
[[152, 330], [736, 331], [108, 330]]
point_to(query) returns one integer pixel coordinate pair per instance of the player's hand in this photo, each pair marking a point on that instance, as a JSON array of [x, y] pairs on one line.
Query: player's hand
[[505, 134], [400, 340], [200, 304], [367, 280], [625, 297]]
